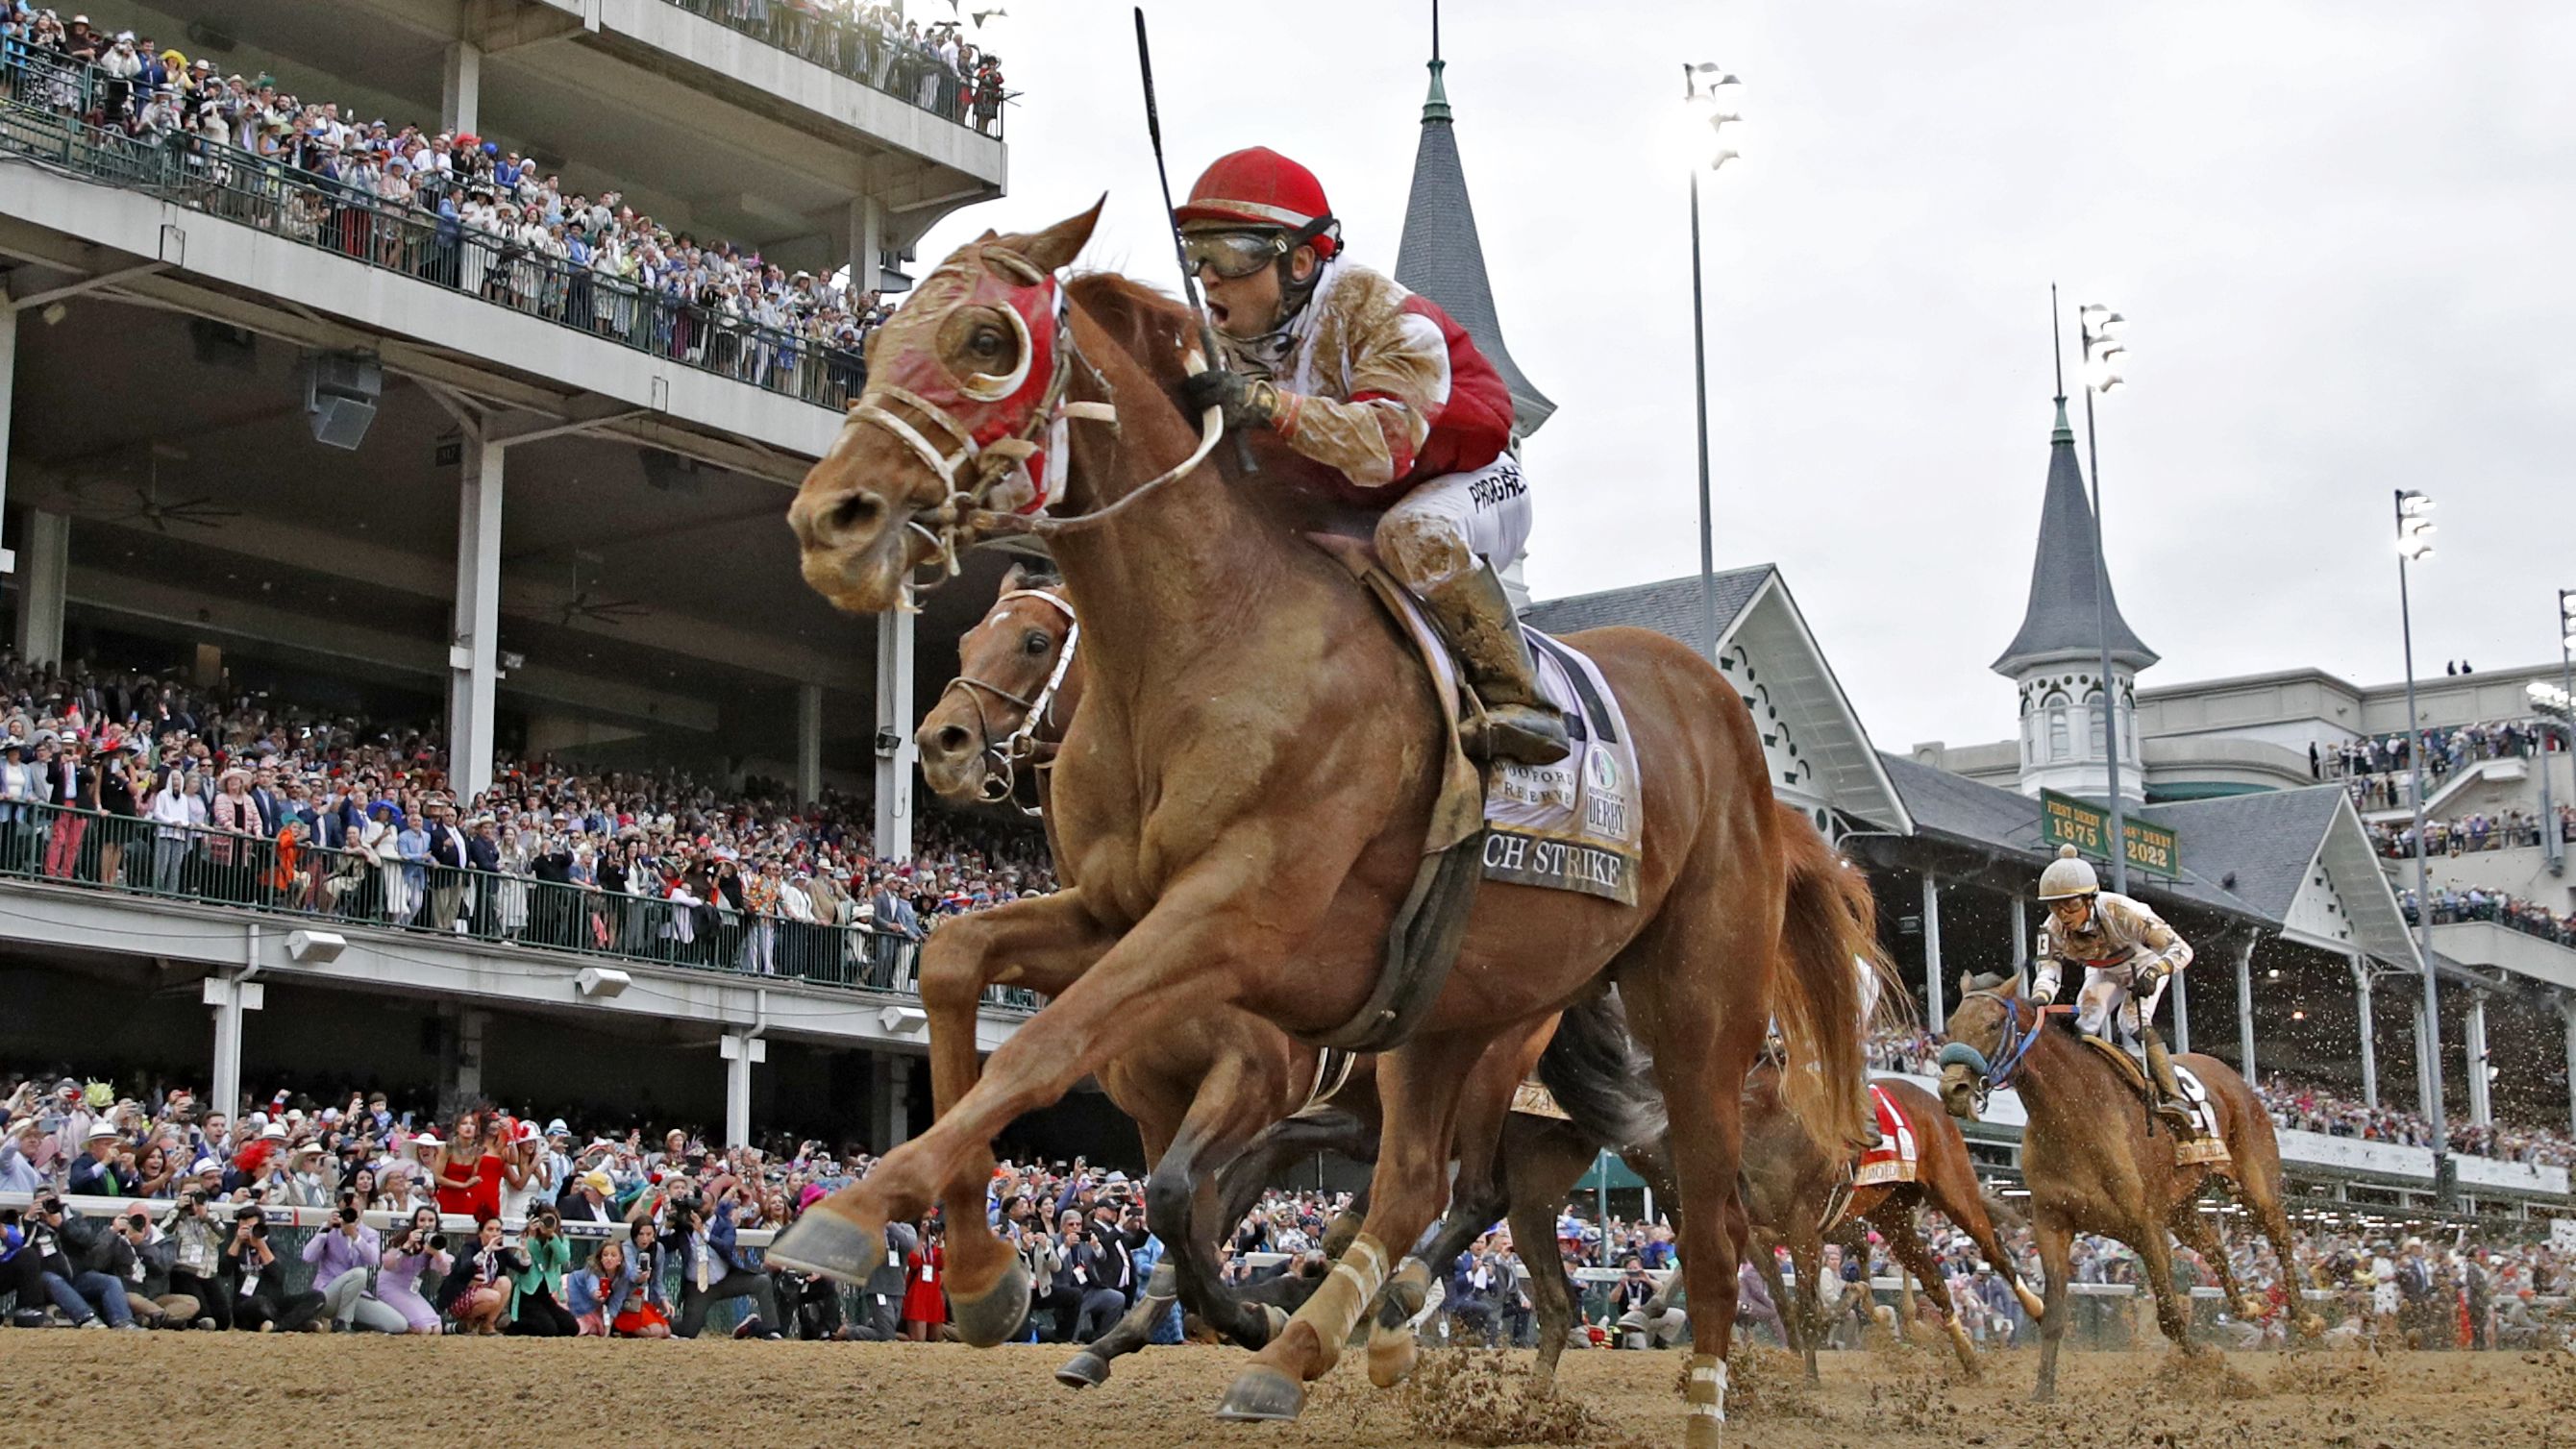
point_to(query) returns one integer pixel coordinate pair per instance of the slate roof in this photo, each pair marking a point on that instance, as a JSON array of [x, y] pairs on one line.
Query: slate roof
[[1670, 607], [2060, 620], [2265, 840], [1441, 258]]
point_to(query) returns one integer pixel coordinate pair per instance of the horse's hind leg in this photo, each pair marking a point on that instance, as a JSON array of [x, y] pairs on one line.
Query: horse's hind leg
[[2155, 1264], [1895, 1223], [1698, 982], [2194, 1228], [1533, 1219]]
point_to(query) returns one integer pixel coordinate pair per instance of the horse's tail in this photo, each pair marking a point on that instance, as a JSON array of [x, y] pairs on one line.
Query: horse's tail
[[1831, 968], [1600, 1075]]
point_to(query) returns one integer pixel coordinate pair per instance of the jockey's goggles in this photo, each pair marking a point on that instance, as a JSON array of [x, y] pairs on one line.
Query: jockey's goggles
[[1232, 254]]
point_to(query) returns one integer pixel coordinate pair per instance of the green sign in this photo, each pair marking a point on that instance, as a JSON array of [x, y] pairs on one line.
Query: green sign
[[2065, 820]]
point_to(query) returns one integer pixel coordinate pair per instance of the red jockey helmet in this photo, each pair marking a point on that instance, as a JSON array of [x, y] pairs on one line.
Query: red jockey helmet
[[1259, 187]]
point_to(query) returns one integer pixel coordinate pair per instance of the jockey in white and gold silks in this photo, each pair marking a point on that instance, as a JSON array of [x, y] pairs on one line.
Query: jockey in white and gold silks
[[2128, 954]]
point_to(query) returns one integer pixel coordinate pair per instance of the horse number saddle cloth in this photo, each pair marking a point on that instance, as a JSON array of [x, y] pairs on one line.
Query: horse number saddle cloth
[[1896, 1158], [2206, 1146], [1576, 825]]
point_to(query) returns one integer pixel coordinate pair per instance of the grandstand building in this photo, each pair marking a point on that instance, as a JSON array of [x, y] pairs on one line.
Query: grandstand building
[[283, 437], [2285, 882]]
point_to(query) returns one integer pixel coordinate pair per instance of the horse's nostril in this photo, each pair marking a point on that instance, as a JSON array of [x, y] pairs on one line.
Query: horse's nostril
[[952, 740], [852, 513]]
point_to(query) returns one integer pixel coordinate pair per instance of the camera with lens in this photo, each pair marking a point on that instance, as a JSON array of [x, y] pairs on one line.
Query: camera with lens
[[348, 1214], [681, 1214]]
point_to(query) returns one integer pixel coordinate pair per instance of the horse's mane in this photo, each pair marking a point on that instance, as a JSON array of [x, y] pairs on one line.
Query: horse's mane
[[1145, 322]]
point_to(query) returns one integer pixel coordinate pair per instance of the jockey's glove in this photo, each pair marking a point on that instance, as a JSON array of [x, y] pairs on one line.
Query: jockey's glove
[[1244, 400], [2045, 995]]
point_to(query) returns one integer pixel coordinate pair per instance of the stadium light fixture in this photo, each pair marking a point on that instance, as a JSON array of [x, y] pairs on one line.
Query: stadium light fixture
[[2567, 619], [1710, 90], [2414, 542], [2103, 350]]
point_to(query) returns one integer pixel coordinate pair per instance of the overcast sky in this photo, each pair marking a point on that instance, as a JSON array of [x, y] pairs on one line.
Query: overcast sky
[[2342, 233]]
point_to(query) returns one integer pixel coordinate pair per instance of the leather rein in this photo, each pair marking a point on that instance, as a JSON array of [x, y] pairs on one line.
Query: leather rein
[[970, 469], [1004, 756], [2011, 1049]]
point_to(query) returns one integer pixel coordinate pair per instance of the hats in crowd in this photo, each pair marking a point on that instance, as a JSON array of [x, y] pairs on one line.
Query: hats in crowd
[[275, 1130], [599, 1182], [556, 1128], [101, 1131], [427, 1139]]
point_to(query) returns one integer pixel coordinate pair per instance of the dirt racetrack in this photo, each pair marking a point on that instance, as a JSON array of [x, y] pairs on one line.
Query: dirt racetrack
[[327, 1390]]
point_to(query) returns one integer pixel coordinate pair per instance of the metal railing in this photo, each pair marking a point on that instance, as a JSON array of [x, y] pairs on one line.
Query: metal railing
[[853, 48], [378, 887], [47, 113]]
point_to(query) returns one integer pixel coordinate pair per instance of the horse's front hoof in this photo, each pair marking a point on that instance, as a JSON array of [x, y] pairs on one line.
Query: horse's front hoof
[[1085, 1370], [1391, 1353], [995, 1315], [825, 1243], [1262, 1394]]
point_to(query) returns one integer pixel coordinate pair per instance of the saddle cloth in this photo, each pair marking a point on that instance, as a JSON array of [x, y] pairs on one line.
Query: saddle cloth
[[1897, 1157], [2208, 1146], [1576, 825]]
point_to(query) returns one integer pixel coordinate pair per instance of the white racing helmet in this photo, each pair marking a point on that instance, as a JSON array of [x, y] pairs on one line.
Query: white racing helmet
[[2068, 876]]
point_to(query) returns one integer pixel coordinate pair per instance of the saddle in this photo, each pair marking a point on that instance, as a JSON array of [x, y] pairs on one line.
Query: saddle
[[2203, 1147]]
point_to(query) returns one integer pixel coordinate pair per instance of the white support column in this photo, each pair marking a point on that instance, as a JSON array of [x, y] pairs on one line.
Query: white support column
[[2369, 1046], [2020, 936], [2481, 1102], [2245, 1011], [1935, 1011], [8, 396], [809, 743], [463, 1087], [474, 648], [230, 997], [741, 1053], [867, 241], [895, 750], [889, 1102], [44, 565], [460, 88], [2567, 1014], [2424, 1104], [2181, 994]]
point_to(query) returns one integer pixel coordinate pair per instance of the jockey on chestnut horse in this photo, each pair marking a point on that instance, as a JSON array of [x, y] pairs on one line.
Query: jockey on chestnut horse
[[1351, 370], [2128, 954]]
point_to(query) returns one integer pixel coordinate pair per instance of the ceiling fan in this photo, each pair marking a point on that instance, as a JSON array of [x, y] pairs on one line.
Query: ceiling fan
[[600, 609], [149, 507]]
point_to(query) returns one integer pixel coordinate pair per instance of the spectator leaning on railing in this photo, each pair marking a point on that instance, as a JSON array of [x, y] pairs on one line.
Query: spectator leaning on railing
[[455, 210], [247, 802]]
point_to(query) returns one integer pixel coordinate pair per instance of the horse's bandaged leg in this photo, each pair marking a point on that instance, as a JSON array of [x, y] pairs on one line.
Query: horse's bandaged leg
[[1705, 1396], [1346, 1293], [1391, 1344]]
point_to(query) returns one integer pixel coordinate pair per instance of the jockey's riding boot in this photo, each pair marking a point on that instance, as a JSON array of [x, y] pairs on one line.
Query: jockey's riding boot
[[1475, 615], [2169, 1103]]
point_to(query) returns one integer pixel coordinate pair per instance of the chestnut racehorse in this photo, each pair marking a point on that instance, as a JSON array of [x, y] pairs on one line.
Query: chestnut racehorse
[[2097, 1162], [1200, 1097], [1789, 1187], [1244, 802]]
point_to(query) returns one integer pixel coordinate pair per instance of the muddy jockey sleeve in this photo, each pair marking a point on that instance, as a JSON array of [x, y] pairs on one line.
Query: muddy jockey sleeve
[[1388, 390], [2122, 932]]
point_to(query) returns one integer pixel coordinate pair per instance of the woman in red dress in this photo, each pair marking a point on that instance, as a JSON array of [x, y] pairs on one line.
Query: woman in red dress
[[469, 1172], [925, 1301]]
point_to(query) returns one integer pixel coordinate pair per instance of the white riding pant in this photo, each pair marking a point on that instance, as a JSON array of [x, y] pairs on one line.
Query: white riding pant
[[2106, 997], [1437, 532]]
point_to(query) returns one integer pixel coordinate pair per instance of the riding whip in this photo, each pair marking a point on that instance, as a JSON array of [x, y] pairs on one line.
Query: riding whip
[[1189, 277]]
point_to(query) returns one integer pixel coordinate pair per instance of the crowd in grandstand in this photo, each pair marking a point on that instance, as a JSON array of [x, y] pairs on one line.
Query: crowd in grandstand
[[2452, 905], [2380, 767], [457, 209], [2476, 831], [137, 780], [932, 67]]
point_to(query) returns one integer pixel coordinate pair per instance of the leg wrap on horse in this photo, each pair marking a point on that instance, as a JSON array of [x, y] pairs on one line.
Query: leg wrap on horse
[[1704, 1394], [1391, 1345], [1346, 1294]]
